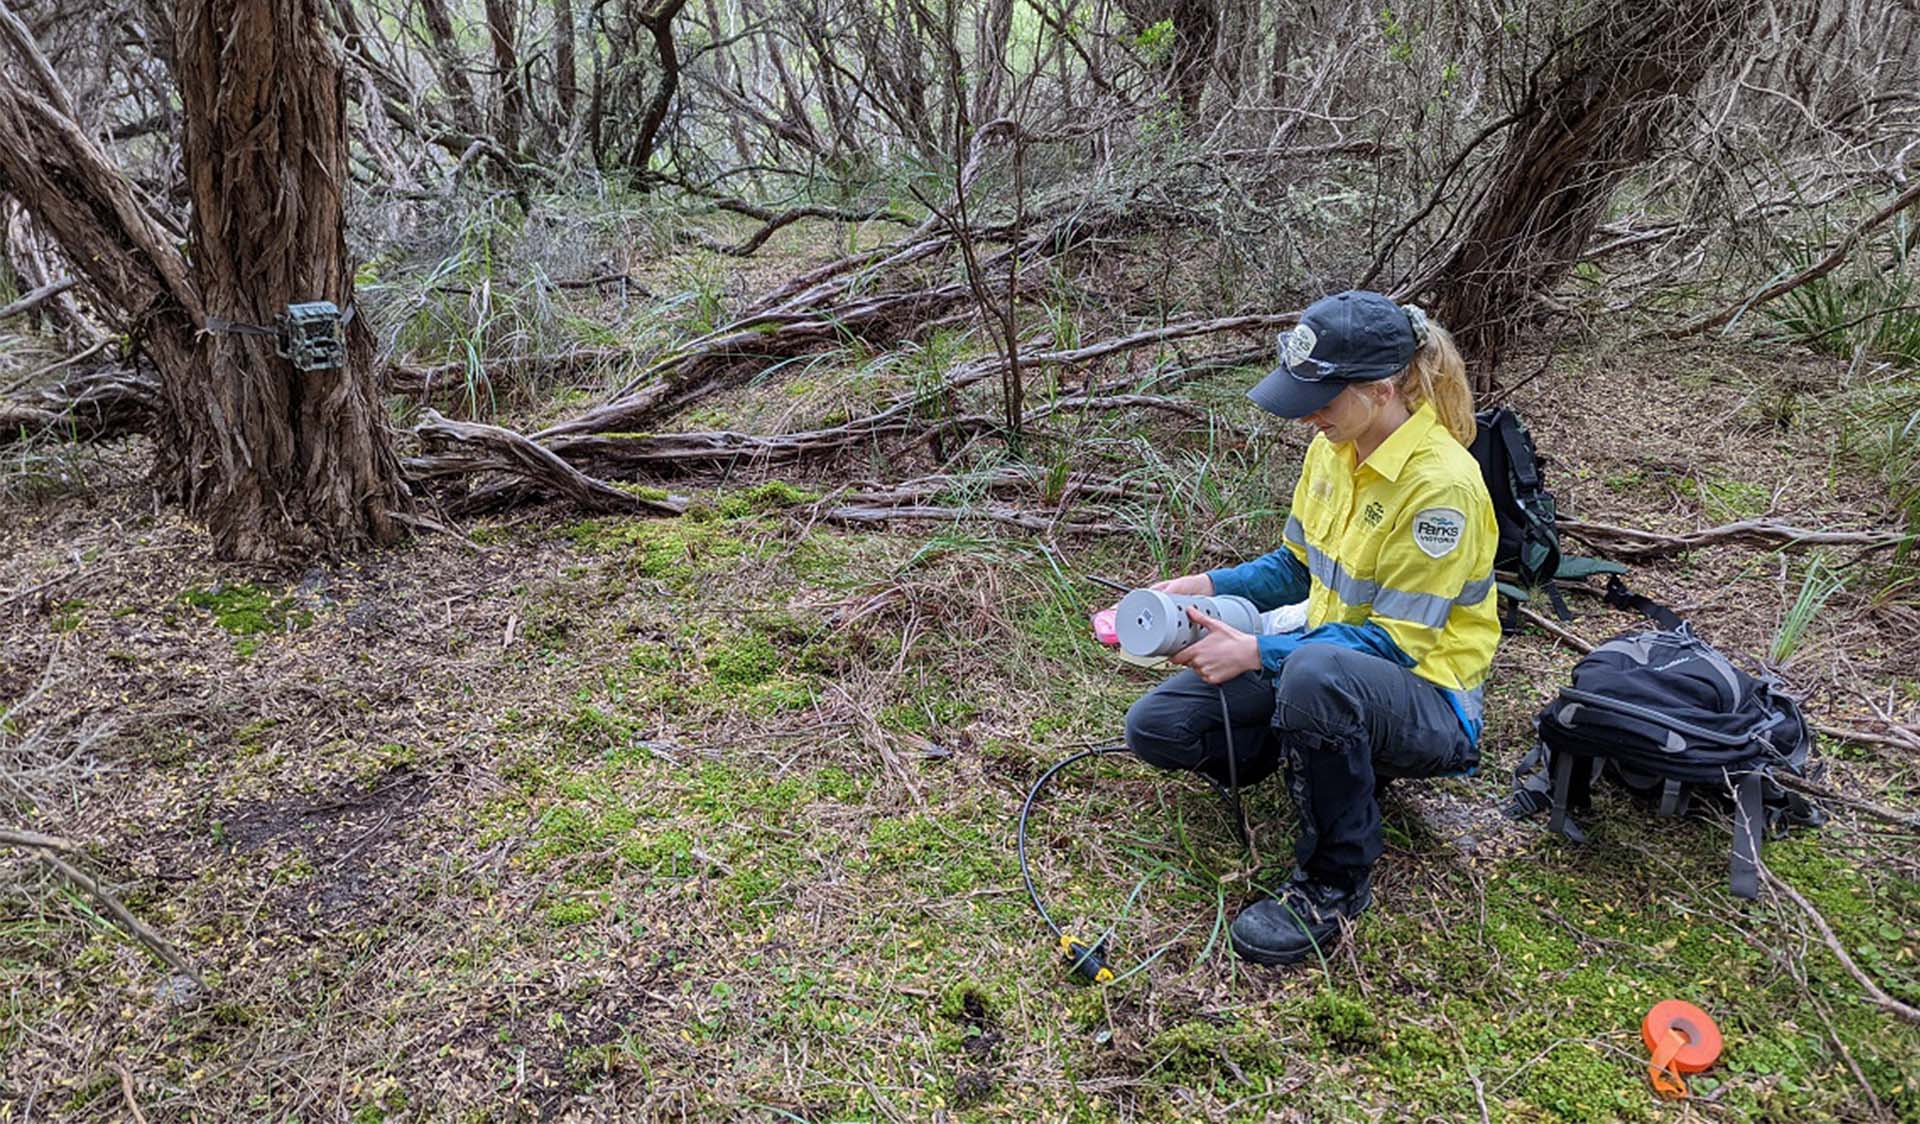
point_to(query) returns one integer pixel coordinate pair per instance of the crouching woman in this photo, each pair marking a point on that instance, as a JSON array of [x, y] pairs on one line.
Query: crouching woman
[[1390, 541]]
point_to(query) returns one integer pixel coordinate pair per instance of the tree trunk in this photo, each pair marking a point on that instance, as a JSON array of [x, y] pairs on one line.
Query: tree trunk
[[566, 80], [1585, 124], [503, 25], [1196, 32], [81, 201], [448, 67], [659, 24], [277, 461]]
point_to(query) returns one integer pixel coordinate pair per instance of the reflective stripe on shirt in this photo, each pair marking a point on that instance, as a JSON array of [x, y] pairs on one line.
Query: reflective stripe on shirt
[[1429, 609]]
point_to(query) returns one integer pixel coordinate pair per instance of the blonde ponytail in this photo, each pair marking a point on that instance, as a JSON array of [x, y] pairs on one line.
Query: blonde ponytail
[[1438, 375]]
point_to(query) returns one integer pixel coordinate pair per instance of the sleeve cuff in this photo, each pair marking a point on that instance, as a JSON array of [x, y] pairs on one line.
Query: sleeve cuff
[[1275, 648], [1226, 583]]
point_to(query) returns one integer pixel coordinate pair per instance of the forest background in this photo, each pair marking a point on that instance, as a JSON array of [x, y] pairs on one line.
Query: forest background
[[608, 692]]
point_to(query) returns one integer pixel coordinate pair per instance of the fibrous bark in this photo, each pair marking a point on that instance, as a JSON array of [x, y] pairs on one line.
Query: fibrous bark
[[1585, 121], [277, 460]]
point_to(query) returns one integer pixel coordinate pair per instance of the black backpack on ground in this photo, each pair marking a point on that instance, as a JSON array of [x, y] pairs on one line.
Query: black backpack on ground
[[1525, 511], [1669, 717], [1529, 543]]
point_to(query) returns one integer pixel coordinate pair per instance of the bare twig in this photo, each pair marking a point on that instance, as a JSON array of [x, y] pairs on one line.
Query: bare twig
[[126, 1090], [1013, 517], [34, 376], [146, 935], [772, 222], [1877, 811], [1897, 736], [1565, 637], [21, 837], [37, 298], [1874, 993], [1769, 532], [1813, 272]]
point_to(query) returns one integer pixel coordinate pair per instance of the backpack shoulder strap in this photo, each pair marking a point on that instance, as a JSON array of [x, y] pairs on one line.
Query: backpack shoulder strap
[[1525, 469], [1749, 820], [1572, 782], [1620, 597]]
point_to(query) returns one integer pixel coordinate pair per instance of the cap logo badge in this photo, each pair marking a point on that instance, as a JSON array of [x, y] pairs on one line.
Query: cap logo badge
[[1296, 346]]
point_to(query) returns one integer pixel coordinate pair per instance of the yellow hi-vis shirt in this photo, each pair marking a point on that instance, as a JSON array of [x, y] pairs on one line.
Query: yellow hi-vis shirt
[[1405, 540]]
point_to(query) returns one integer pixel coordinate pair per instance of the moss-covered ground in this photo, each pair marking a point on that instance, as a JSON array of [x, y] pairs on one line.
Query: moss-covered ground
[[712, 818]]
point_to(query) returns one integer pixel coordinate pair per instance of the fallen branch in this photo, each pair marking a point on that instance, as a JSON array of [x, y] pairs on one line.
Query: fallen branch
[[489, 448], [140, 930], [37, 298], [101, 404], [1006, 479], [614, 454], [1637, 544], [1878, 811], [1899, 737], [633, 410], [1879, 997], [1014, 517], [21, 837], [837, 302], [920, 500], [626, 281], [1813, 272], [423, 382], [772, 222], [756, 342], [1566, 637], [126, 1090], [37, 374]]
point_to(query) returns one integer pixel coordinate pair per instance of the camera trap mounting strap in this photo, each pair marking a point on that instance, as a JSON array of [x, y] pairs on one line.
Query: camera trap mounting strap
[[311, 335]]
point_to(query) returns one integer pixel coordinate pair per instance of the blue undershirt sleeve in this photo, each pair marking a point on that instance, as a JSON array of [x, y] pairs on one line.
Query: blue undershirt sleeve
[[1269, 582]]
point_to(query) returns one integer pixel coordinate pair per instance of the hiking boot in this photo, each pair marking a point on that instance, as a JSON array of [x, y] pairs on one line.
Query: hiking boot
[[1305, 917]]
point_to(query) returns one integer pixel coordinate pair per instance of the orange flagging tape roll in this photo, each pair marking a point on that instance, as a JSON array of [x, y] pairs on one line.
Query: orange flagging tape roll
[[1682, 1039]]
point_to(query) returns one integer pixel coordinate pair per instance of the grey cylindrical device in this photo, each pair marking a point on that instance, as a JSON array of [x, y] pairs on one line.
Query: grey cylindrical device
[[1152, 623]]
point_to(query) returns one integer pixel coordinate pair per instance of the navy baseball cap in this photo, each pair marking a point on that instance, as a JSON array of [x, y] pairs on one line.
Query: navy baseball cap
[[1349, 337]]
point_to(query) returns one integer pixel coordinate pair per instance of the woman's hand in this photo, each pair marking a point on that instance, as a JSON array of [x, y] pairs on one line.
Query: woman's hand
[[1192, 585], [1224, 653]]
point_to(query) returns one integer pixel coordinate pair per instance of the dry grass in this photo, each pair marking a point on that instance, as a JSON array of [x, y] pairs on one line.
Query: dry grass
[[711, 819]]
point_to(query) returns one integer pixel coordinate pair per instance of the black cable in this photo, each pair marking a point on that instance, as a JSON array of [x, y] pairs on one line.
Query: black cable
[[1233, 770], [1088, 961], [1026, 808]]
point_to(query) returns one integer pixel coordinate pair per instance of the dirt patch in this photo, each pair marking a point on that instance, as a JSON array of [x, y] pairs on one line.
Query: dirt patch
[[555, 1038], [976, 1071], [333, 827], [340, 835]]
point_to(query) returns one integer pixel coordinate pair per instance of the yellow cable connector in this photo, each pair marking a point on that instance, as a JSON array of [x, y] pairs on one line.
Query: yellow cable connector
[[1087, 961]]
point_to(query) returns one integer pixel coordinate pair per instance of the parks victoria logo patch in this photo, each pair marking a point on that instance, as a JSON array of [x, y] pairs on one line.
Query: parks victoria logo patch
[[1297, 345], [1437, 530]]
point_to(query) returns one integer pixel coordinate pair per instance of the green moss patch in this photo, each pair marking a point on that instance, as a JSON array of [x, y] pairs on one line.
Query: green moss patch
[[249, 612]]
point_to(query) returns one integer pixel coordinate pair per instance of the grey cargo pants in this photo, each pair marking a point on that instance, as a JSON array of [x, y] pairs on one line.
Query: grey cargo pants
[[1338, 719]]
